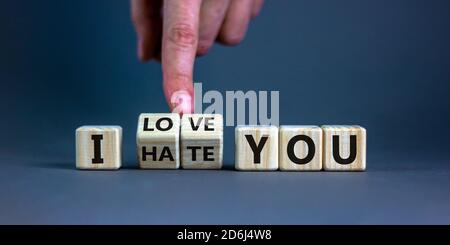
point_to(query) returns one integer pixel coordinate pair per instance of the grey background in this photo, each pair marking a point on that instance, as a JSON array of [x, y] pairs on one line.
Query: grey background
[[381, 64]]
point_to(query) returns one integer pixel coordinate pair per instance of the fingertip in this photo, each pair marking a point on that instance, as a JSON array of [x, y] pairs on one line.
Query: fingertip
[[203, 47], [257, 6], [229, 38], [181, 102], [236, 22]]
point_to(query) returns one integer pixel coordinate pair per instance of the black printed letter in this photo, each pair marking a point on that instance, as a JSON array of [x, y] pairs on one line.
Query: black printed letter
[[311, 149], [145, 153], [158, 124], [166, 153], [352, 156], [209, 122], [197, 125], [207, 153], [194, 151], [97, 138], [256, 148]]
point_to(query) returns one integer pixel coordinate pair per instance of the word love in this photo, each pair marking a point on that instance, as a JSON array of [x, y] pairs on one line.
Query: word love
[[164, 141]]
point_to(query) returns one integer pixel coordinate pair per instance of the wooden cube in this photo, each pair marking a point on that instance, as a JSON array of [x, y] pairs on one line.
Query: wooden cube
[[300, 148], [98, 147], [344, 148], [256, 148], [201, 141], [157, 140]]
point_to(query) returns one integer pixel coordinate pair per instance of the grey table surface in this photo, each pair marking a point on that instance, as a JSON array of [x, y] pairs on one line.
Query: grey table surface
[[394, 190]]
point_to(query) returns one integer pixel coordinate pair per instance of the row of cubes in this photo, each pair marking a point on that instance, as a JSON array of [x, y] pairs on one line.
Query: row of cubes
[[300, 148], [164, 141]]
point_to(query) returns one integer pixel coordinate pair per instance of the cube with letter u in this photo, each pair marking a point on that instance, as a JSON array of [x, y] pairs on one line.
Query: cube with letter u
[[344, 148]]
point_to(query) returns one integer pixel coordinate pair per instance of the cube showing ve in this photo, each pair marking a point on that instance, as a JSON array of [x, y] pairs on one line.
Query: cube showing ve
[[256, 148], [157, 140], [300, 148], [98, 147], [344, 148], [201, 141]]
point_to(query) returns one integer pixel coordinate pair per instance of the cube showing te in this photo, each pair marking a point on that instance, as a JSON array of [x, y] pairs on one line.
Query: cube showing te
[[344, 148], [256, 148], [300, 148], [201, 141], [157, 139], [98, 147]]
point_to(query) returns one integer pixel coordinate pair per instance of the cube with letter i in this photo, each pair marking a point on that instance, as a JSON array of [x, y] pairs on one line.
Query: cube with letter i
[[201, 141], [256, 148], [99, 147], [157, 139]]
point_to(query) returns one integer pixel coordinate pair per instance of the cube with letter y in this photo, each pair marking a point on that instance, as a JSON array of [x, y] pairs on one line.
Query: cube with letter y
[[256, 148], [201, 141], [344, 148], [99, 147], [157, 140]]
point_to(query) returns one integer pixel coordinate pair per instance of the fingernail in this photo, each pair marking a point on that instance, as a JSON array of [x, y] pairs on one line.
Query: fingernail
[[181, 102]]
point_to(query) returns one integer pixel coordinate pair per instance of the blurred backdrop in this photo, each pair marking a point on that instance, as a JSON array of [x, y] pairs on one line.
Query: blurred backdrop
[[382, 64]]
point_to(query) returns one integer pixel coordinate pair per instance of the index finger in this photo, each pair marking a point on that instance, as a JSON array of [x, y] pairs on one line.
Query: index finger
[[179, 47]]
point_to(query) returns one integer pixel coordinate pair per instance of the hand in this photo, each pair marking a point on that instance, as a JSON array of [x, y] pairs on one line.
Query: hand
[[176, 31]]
